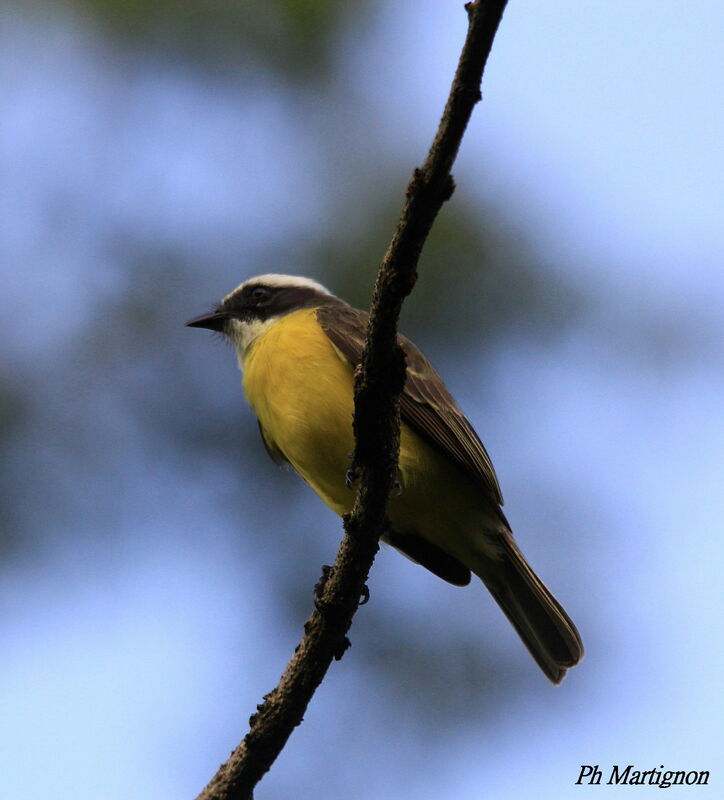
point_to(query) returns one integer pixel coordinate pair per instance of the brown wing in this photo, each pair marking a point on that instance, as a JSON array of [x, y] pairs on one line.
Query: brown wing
[[426, 405]]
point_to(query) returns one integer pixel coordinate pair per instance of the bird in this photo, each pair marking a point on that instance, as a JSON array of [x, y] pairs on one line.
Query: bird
[[297, 347]]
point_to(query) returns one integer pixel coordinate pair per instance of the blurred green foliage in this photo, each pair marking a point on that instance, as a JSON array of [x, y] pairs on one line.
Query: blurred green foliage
[[479, 279], [292, 36]]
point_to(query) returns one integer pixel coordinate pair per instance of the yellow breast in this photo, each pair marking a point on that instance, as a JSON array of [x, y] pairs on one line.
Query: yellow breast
[[302, 393]]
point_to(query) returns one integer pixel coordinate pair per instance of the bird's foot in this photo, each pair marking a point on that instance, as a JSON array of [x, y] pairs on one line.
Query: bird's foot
[[351, 477]]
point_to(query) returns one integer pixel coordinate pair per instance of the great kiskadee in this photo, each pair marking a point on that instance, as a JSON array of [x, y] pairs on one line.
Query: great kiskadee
[[297, 347]]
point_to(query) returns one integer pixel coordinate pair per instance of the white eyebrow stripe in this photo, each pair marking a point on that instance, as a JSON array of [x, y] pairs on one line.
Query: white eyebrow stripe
[[278, 280]]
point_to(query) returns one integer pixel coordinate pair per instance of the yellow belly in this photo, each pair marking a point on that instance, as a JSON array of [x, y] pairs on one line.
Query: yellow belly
[[302, 393]]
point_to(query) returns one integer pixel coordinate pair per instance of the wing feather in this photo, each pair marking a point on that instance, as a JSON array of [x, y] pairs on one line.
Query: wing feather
[[426, 404]]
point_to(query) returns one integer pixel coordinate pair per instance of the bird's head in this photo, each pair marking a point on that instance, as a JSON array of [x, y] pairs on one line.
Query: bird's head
[[247, 311]]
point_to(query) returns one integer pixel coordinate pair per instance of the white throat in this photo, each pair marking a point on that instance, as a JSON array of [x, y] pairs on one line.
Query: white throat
[[245, 333]]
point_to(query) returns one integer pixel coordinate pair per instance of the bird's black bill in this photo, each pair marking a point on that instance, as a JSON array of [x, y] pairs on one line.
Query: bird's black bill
[[216, 321]]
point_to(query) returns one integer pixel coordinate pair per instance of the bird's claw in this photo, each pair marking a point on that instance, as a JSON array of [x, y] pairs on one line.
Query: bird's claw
[[351, 477]]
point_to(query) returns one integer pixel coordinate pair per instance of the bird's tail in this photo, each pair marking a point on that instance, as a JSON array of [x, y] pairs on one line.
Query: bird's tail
[[545, 628]]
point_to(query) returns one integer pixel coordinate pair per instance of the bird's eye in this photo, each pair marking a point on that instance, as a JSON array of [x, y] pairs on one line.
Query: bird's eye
[[259, 294]]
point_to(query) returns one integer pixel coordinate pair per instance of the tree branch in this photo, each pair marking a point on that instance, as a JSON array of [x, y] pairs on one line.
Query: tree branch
[[378, 384]]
